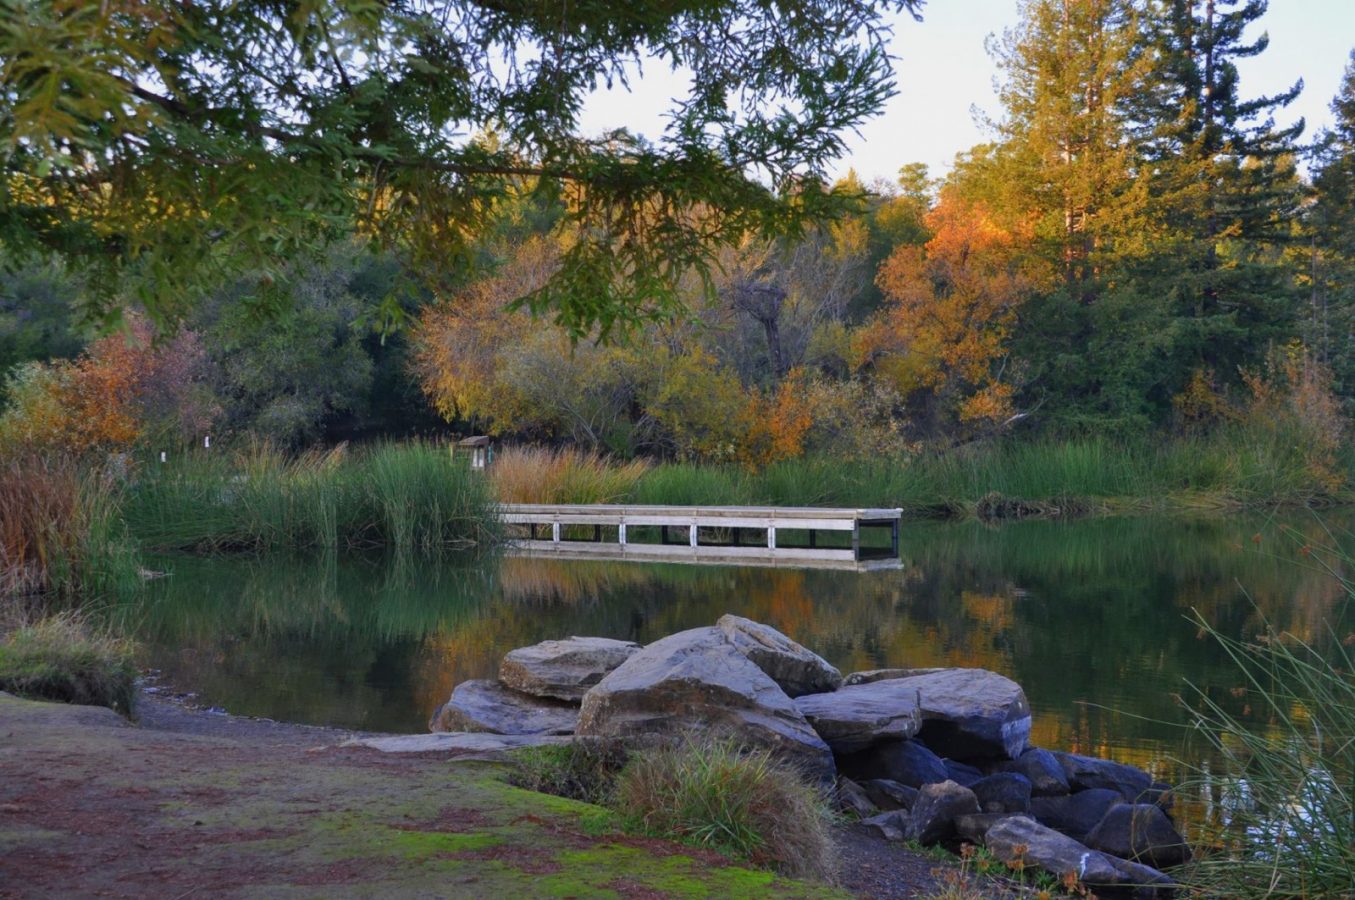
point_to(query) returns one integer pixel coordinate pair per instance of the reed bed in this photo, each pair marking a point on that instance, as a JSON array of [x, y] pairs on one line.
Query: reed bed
[[61, 530], [1289, 788], [410, 497], [569, 475]]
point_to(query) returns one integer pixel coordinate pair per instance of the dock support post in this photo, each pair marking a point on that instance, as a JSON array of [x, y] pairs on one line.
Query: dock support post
[[813, 539], [856, 541], [597, 534], [894, 536], [555, 532], [771, 537], [691, 535], [621, 534]]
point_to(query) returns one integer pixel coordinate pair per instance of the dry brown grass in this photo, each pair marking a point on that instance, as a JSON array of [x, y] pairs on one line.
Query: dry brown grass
[[535, 475], [41, 519]]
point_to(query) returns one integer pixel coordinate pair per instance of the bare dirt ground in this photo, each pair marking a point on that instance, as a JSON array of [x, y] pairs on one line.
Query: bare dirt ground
[[194, 804]]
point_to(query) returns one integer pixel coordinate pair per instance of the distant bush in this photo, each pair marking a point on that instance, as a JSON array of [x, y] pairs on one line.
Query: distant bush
[[68, 659], [742, 801]]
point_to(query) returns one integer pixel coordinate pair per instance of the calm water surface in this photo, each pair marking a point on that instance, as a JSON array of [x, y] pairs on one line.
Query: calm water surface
[[1093, 618]]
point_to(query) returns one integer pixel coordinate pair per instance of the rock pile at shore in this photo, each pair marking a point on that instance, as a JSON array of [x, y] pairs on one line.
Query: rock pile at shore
[[941, 756]]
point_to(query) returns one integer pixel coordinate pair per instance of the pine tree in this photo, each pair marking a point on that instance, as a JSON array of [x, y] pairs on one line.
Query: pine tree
[[1330, 323], [1224, 187]]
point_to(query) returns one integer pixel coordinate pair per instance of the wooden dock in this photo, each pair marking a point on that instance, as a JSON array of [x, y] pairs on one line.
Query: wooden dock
[[760, 535]]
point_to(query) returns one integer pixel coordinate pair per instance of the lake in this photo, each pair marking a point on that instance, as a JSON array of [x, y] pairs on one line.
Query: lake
[[1093, 617]]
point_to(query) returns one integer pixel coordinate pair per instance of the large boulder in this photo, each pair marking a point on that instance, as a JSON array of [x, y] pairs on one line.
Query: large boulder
[[1017, 839], [1085, 772], [798, 671], [1141, 832], [853, 718], [907, 762], [937, 807], [969, 713], [697, 682], [564, 670], [1042, 768], [487, 706], [974, 827], [1075, 814]]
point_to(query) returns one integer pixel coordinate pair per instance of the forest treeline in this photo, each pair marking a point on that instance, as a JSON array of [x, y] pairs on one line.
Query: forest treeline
[[1142, 246]]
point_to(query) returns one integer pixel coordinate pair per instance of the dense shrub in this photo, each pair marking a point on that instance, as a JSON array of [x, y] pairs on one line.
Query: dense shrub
[[68, 659]]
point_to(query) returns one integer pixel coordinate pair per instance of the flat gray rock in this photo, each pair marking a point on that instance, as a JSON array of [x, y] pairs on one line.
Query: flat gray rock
[[563, 670], [870, 676], [1089, 772], [483, 705], [969, 713], [469, 745], [855, 717], [1019, 838], [798, 671], [696, 682]]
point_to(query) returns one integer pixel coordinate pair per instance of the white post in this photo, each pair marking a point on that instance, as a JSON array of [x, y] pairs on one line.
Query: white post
[[162, 456], [207, 442], [555, 532], [621, 534], [771, 537], [691, 535]]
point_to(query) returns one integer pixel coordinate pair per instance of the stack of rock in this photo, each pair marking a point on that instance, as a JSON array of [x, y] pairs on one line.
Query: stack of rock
[[940, 756]]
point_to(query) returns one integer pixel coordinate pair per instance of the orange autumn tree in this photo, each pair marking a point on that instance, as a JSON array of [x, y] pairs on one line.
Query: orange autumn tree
[[941, 339]]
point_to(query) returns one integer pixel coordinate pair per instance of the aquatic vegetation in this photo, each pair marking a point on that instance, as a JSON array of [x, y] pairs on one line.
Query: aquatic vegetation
[[67, 657]]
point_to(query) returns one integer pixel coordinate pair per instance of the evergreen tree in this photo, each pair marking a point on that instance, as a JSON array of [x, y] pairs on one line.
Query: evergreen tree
[[1224, 187], [1330, 323]]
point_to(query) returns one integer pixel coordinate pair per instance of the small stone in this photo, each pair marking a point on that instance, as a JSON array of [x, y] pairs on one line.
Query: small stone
[[890, 795], [892, 826], [937, 806], [853, 799]]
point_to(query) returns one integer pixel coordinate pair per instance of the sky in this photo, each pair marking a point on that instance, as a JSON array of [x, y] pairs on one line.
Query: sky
[[944, 74]]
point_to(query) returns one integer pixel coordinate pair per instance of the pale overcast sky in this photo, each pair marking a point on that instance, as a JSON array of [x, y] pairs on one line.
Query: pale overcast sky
[[943, 73]]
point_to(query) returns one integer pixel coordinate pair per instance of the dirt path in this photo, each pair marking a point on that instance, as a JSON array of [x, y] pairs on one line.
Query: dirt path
[[190, 804]]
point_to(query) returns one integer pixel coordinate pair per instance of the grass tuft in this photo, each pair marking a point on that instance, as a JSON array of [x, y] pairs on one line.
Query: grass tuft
[[715, 794], [66, 658], [584, 770]]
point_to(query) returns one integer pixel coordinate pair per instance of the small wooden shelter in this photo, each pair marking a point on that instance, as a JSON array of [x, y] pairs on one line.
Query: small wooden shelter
[[481, 448]]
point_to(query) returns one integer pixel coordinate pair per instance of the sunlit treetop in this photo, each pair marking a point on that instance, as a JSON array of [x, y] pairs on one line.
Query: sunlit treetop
[[167, 144]]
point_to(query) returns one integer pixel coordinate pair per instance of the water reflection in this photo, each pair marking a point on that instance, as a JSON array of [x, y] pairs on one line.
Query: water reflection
[[1092, 618]]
